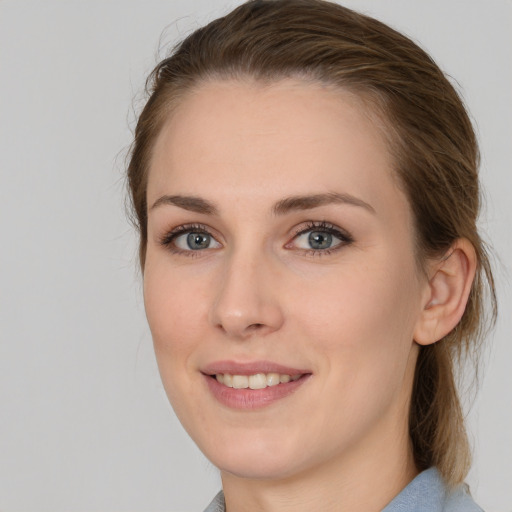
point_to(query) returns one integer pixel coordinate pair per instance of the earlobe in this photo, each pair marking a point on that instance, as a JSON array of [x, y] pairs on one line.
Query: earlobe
[[447, 292]]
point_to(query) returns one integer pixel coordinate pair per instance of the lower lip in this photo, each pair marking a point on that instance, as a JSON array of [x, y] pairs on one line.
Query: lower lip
[[252, 398]]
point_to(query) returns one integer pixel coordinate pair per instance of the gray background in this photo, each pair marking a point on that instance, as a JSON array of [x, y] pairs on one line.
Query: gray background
[[84, 423]]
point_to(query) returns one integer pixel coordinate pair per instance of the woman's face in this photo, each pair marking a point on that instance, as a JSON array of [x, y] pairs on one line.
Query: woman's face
[[280, 253]]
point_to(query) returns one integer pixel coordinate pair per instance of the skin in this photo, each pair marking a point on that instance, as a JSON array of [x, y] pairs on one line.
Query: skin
[[259, 292]]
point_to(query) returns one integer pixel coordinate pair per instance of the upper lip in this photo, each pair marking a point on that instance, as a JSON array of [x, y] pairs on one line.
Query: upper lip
[[250, 368]]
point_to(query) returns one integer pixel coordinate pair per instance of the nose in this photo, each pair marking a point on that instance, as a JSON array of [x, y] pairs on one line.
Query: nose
[[247, 301]]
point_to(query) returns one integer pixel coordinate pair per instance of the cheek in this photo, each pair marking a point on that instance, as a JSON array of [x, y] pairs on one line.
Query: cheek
[[360, 334], [176, 311], [361, 298], [363, 322]]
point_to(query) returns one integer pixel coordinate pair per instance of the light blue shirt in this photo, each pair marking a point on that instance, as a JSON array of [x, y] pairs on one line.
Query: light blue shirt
[[426, 493]]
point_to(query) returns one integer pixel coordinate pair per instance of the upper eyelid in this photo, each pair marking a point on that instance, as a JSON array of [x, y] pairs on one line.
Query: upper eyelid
[[182, 229], [302, 228], [191, 228], [322, 225]]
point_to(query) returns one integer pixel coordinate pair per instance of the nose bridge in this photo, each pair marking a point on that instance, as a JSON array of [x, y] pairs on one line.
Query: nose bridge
[[247, 300]]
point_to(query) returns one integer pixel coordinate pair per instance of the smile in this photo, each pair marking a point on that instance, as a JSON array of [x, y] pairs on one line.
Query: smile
[[252, 385], [246, 386], [256, 381]]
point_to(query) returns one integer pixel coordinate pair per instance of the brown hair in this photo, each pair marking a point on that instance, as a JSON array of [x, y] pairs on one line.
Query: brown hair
[[430, 136]]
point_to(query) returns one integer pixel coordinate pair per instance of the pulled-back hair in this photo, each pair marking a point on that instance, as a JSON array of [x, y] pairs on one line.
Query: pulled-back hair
[[429, 135]]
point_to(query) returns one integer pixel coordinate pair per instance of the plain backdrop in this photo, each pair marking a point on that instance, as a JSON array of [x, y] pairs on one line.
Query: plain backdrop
[[84, 422]]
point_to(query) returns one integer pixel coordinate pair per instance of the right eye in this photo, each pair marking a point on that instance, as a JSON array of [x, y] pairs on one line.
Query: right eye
[[189, 239], [195, 241]]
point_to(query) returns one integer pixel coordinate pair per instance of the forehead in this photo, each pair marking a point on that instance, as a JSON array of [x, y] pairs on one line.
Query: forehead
[[268, 141]]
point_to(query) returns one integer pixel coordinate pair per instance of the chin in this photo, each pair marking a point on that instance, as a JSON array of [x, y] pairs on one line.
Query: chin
[[254, 458], [257, 468]]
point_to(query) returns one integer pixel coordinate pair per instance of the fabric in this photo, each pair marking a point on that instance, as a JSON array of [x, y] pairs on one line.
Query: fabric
[[217, 505], [426, 493]]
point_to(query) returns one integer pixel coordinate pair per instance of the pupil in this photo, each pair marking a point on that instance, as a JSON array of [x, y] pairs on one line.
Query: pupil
[[320, 240], [198, 241]]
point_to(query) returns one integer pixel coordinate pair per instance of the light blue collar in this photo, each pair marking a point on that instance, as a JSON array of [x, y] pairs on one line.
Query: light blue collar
[[426, 493]]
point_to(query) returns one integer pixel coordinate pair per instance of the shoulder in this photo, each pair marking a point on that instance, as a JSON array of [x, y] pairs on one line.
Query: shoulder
[[428, 493], [461, 501]]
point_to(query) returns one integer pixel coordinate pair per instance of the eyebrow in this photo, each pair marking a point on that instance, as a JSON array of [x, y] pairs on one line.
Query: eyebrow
[[282, 207], [190, 203], [313, 201]]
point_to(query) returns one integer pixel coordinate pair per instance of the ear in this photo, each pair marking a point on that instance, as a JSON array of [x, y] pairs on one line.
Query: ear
[[446, 293]]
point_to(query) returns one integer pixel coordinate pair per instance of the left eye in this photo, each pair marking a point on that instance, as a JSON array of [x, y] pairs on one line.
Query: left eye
[[195, 241], [316, 240], [321, 237]]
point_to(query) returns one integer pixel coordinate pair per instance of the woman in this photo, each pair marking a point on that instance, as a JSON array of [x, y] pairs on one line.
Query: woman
[[304, 180]]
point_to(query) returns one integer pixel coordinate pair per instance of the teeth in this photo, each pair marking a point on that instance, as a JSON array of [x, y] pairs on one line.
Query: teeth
[[256, 381], [272, 379], [240, 381]]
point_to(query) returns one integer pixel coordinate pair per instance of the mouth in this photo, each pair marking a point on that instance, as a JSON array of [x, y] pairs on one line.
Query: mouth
[[252, 385]]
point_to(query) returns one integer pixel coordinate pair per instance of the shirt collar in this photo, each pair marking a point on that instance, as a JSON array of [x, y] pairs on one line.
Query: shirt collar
[[426, 493]]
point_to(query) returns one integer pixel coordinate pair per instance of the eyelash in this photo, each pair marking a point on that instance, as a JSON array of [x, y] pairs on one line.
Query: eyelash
[[168, 239], [324, 227]]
